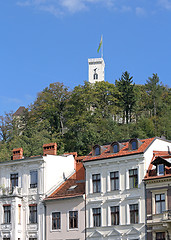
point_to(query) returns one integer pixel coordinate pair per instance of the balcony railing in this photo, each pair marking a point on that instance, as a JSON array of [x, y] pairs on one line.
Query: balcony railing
[[167, 215], [10, 191]]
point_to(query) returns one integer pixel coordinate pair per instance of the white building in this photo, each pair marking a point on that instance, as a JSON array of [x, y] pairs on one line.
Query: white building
[[115, 193], [65, 208], [24, 183], [96, 70]]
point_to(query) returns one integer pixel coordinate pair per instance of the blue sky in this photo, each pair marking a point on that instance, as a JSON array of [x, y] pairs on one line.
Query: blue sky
[[45, 41]]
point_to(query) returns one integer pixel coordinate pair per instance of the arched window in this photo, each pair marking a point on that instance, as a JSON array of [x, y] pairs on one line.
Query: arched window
[[115, 148], [134, 145], [97, 151], [95, 76]]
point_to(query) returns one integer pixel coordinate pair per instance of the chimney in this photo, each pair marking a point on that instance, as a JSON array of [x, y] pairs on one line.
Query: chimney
[[79, 168], [17, 153], [49, 149]]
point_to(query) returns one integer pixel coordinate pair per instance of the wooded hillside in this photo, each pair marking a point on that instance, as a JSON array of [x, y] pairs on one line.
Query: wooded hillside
[[90, 113]]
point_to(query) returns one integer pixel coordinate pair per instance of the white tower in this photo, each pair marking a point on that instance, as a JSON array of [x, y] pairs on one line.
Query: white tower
[[96, 69]]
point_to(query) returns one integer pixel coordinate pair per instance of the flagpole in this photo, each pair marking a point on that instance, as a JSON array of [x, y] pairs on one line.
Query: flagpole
[[102, 47]]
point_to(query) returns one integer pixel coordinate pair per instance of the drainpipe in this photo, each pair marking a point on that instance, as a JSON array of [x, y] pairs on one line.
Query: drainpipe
[[45, 219], [145, 211], [85, 207]]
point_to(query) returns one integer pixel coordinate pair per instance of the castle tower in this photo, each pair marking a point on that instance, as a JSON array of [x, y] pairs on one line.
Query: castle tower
[[96, 69]]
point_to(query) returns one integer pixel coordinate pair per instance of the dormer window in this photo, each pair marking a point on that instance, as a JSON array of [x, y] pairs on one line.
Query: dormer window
[[160, 169], [134, 145], [97, 151], [115, 148]]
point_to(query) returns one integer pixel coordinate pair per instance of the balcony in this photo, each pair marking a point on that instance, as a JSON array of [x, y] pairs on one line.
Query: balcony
[[15, 191], [5, 227], [167, 216]]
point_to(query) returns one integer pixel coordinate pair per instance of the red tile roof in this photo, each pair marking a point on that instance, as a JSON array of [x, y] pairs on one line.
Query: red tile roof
[[123, 152], [19, 111], [72, 187], [151, 173]]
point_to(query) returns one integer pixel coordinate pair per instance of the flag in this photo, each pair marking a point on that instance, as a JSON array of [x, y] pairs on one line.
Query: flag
[[100, 44]]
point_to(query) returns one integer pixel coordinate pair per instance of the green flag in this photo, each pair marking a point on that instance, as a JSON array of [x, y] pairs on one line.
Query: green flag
[[100, 44]]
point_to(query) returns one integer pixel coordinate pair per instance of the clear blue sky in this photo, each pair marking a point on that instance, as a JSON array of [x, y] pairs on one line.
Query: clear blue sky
[[45, 41]]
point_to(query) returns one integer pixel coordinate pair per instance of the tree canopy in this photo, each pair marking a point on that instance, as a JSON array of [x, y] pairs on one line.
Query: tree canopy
[[91, 113]]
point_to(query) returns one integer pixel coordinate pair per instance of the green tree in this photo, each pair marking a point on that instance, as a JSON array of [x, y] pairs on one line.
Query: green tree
[[127, 95], [50, 106]]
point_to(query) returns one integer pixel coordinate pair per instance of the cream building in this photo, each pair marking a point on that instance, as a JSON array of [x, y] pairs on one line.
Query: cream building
[[24, 183], [65, 208], [115, 192]]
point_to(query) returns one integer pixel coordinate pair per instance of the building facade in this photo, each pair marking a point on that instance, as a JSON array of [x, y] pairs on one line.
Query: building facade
[[158, 197], [115, 192], [24, 183], [65, 208]]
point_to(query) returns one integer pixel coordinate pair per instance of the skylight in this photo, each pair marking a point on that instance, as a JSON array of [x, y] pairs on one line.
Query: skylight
[[72, 187]]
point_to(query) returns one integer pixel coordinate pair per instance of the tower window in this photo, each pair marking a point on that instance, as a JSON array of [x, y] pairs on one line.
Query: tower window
[[95, 76]]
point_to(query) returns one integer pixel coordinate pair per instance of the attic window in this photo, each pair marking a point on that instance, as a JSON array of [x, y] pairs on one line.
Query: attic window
[[115, 148], [72, 187], [134, 145], [160, 169], [97, 151]]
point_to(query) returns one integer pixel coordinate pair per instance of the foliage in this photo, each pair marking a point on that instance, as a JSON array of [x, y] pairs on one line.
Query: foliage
[[127, 95], [91, 113]]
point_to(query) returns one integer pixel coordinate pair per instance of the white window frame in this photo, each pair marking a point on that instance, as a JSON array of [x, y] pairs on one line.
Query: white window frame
[[91, 183], [109, 213], [127, 177], [19, 179], [72, 210], [159, 191], [128, 212], [109, 183], [55, 230], [31, 170]]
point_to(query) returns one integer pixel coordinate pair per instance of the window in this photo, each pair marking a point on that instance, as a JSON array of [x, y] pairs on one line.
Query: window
[[134, 145], [114, 180], [96, 217], [33, 179], [33, 213], [115, 148], [56, 220], [19, 214], [160, 236], [114, 215], [14, 180], [97, 151], [160, 203], [7, 214], [96, 183], [133, 178], [160, 169], [95, 76], [133, 213], [73, 219]]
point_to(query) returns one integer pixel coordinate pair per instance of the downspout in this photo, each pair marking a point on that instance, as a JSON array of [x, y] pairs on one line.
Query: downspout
[[45, 219], [85, 207], [145, 211]]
